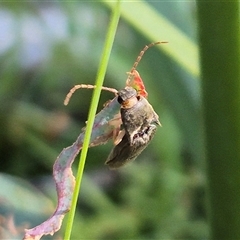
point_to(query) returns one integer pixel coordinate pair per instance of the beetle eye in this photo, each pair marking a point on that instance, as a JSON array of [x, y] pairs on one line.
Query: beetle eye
[[120, 100]]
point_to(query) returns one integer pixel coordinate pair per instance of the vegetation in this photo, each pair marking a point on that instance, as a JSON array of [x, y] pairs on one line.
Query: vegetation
[[221, 101], [46, 48]]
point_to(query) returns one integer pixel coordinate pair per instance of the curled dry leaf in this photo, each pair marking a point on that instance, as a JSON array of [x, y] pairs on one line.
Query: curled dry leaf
[[65, 181], [129, 142]]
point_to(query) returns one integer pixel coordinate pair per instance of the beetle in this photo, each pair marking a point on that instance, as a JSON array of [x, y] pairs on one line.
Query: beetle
[[137, 123]]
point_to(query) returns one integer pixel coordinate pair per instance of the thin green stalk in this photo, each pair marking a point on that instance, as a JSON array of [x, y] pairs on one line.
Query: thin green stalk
[[219, 34], [92, 112]]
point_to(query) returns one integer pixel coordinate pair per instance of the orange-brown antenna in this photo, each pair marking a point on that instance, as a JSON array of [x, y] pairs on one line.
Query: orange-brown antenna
[[87, 86], [142, 52]]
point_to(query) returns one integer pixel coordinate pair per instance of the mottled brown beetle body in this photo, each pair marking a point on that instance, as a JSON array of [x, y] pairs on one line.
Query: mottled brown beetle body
[[139, 122]]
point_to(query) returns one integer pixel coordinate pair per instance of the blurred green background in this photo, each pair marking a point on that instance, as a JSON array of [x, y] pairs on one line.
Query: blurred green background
[[46, 48]]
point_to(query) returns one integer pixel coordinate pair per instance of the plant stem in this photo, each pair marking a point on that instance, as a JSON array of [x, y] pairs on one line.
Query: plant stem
[[92, 112], [219, 25]]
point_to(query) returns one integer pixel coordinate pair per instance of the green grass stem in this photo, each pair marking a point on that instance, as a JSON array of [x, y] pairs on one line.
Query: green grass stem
[[219, 35], [92, 112]]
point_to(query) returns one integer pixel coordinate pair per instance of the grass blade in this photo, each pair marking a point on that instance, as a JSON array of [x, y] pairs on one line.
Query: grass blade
[[92, 112]]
